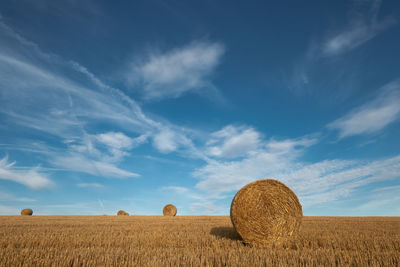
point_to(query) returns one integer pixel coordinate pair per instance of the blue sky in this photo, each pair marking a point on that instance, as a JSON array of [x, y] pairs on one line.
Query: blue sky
[[142, 103]]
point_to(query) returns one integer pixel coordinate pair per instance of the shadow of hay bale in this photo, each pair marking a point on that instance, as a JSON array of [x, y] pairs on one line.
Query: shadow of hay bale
[[225, 232]]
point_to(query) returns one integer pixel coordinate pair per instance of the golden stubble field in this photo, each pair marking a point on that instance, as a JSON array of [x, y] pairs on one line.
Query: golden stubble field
[[192, 241]]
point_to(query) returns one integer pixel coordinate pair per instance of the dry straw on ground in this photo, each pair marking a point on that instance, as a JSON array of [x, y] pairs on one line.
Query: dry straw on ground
[[122, 213], [28, 212], [169, 210], [192, 241], [266, 212]]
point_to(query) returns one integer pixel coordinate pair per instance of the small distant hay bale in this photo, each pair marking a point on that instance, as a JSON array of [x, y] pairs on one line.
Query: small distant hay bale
[[169, 210], [122, 213], [266, 212], [27, 212]]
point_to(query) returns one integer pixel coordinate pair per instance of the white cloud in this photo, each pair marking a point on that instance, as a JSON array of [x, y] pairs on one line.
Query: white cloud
[[81, 163], [289, 145], [5, 196], [388, 188], [315, 183], [57, 104], [227, 176], [165, 141], [31, 178], [115, 140], [373, 116], [233, 141], [329, 180], [262, 158], [382, 202], [176, 189], [321, 71], [118, 143], [361, 29], [175, 72], [90, 185], [207, 207], [40, 95]]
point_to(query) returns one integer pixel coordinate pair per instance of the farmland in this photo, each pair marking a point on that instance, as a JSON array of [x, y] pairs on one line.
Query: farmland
[[191, 241]]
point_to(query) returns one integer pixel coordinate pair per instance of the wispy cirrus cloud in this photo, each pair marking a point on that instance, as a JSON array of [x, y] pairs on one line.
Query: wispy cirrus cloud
[[373, 116], [361, 29], [66, 101], [315, 182], [175, 72], [382, 202], [176, 189], [91, 154], [8, 197], [222, 175], [90, 185], [81, 163], [30, 177], [323, 68]]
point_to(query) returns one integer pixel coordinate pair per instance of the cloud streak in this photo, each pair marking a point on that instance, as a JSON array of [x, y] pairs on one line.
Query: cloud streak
[[315, 182], [77, 162], [90, 185], [175, 72], [31, 178], [323, 68], [361, 29], [66, 101], [5, 196], [371, 117]]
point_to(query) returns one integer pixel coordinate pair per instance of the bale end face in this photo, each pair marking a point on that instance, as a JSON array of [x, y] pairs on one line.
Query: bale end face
[[169, 210], [122, 213], [266, 212], [27, 212]]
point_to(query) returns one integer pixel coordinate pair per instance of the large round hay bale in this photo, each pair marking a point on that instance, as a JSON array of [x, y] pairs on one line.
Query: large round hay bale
[[28, 212], [169, 210], [266, 212], [122, 213]]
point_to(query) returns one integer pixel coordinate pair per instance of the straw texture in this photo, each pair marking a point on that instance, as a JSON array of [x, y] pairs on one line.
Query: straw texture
[[266, 212], [169, 210], [28, 212], [122, 213]]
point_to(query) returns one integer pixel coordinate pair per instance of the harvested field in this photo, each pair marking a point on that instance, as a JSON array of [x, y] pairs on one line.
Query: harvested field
[[191, 241]]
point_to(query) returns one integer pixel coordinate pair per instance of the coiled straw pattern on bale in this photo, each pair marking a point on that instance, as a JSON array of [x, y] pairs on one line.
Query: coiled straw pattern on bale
[[169, 210], [28, 212], [266, 212], [122, 213]]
